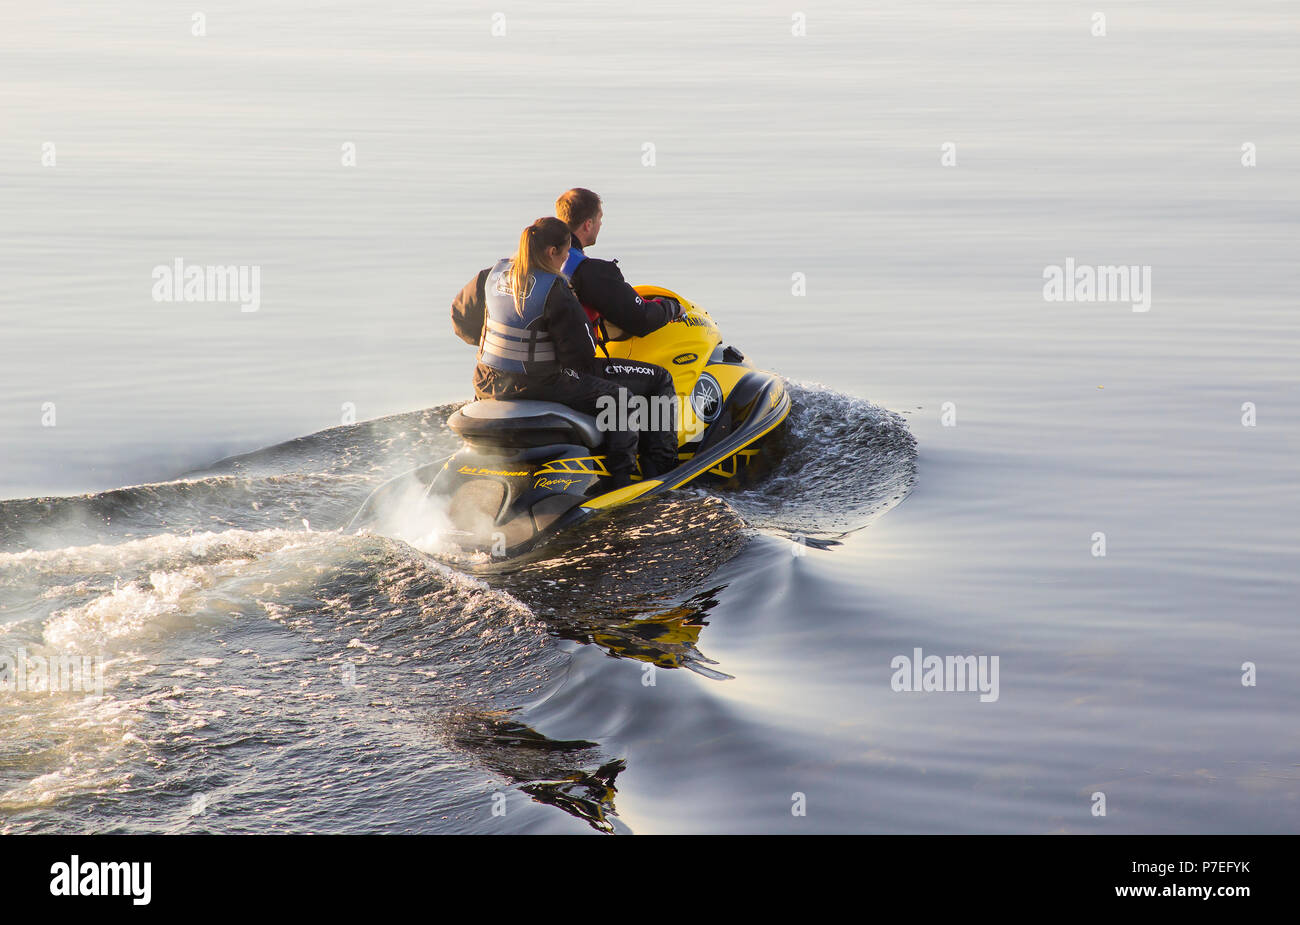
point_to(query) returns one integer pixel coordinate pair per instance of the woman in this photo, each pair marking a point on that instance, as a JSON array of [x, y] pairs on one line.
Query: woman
[[533, 338]]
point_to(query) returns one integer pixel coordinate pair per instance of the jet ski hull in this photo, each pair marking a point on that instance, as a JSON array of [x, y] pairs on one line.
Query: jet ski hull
[[529, 470]]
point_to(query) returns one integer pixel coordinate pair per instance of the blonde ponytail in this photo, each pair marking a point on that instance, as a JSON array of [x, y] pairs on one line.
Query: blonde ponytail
[[534, 242]]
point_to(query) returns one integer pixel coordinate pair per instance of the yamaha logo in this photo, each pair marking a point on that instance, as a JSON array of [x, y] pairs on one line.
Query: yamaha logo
[[706, 399]]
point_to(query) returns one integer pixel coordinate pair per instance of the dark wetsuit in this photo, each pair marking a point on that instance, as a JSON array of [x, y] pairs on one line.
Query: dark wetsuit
[[606, 296]]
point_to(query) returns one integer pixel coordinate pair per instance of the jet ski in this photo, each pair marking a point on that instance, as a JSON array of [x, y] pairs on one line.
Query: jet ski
[[531, 469]]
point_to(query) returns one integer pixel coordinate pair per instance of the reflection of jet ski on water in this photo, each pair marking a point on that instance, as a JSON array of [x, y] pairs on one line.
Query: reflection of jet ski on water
[[530, 469]]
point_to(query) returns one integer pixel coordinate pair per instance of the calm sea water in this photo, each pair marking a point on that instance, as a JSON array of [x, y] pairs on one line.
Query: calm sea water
[[961, 441]]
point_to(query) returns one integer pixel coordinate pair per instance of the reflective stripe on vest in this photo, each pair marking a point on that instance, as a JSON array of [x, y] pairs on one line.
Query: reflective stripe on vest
[[513, 341]]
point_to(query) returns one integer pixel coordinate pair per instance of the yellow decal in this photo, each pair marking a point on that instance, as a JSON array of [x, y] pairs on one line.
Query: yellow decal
[[475, 470], [622, 495], [547, 483], [742, 457], [756, 436], [581, 465]]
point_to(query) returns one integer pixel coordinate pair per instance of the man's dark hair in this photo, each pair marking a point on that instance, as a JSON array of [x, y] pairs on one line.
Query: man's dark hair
[[576, 206]]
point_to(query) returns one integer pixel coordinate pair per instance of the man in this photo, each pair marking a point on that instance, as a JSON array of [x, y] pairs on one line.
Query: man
[[600, 286], [615, 310]]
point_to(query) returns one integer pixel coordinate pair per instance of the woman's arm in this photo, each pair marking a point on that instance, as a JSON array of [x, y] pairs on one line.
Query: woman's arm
[[468, 308]]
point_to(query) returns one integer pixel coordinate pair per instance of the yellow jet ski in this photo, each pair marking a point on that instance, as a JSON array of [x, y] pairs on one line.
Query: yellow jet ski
[[530, 469]]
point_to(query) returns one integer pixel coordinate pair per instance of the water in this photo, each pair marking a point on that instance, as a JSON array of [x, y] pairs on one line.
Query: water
[[229, 626]]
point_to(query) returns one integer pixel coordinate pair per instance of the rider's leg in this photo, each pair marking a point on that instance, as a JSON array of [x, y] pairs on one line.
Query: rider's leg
[[657, 439]]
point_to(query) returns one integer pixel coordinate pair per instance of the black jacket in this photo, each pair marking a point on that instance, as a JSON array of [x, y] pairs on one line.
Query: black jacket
[[565, 320], [601, 288]]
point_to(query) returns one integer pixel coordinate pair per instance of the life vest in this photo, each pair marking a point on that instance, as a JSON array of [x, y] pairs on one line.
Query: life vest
[[576, 256], [515, 341], [594, 319]]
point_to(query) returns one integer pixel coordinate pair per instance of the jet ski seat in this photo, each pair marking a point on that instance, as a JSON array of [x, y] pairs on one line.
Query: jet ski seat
[[524, 424]]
